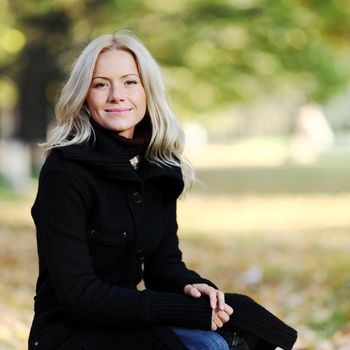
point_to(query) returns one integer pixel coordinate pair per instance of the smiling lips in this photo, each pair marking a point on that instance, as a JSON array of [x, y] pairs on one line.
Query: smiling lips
[[118, 111]]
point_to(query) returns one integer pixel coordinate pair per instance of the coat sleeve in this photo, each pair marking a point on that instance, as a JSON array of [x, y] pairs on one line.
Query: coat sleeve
[[60, 214], [165, 269]]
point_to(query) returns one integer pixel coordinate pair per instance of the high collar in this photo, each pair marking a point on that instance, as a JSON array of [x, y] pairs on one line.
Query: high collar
[[103, 154], [137, 145]]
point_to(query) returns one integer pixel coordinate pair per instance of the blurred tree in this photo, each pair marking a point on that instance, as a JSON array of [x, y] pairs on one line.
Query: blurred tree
[[38, 72], [214, 52]]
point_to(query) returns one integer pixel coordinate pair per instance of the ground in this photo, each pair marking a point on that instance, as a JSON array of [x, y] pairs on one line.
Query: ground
[[277, 233]]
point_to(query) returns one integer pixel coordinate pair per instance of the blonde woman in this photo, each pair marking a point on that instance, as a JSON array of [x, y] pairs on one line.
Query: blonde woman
[[105, 215]]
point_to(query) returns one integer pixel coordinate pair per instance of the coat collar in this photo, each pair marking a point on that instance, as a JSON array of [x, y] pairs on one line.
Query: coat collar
[[104, 155]]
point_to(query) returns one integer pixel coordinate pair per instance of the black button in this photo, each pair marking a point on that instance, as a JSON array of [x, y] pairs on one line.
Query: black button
[[137, 197], [140, 255]]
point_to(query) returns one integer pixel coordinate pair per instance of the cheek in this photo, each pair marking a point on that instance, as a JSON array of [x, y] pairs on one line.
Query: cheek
[[142, 100], [90, 100], [94, 99]]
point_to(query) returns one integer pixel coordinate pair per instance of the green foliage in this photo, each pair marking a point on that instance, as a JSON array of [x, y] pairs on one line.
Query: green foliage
[[214, 53]]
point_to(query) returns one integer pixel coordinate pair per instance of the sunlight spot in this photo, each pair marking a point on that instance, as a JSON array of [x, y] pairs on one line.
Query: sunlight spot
[[12, 40]]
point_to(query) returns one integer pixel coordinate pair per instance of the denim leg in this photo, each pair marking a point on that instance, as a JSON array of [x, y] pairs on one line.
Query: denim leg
[[197, 339]]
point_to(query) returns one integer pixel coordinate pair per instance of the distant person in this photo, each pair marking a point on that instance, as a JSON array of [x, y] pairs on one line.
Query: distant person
[[105, 215]]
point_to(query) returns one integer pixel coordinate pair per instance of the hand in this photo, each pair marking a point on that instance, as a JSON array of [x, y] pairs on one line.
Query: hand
[[216, 297], [221, 311], [220, 317]]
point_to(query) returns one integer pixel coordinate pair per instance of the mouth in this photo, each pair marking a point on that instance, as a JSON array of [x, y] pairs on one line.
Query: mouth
[[117, 111]]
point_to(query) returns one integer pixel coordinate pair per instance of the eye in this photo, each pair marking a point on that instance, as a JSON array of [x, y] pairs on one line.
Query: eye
[[131, 82], [100, 84]]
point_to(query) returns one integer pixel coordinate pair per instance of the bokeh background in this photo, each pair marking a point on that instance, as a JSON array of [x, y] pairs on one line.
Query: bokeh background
[[262, 88]]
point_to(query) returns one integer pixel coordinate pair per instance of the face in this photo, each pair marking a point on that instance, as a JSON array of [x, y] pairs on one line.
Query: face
[[116, 97]]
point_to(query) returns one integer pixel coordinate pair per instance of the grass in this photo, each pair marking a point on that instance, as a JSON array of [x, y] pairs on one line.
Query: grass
[[277, 233]]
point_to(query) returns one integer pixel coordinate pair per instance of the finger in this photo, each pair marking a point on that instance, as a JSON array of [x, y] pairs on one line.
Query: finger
[[202, 287], [213, 324], [187, 289], [228, 309], [224, 317], [217, 321], [210, 291], [192, 291], [195, 292], [221, 300], [213, 298]]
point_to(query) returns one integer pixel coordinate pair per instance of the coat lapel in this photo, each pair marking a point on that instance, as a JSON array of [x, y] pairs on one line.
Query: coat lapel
[[106, 157], [168, 178]]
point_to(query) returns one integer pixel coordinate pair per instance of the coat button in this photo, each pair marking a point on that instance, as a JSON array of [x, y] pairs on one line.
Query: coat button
[[137, 197], [140, 254]]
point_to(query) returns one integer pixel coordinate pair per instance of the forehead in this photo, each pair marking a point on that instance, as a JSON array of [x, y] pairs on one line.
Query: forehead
[[115, 61]]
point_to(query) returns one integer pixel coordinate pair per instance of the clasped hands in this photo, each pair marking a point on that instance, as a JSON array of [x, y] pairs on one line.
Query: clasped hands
[[221, 311]]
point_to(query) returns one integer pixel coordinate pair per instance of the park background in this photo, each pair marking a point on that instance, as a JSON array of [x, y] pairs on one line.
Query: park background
[[262, 88]]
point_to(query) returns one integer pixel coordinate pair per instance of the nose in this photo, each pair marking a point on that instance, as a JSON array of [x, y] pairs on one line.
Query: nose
[[115, 94]]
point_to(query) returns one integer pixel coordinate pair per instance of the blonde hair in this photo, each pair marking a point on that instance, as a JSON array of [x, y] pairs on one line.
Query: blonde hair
[[167, 140]]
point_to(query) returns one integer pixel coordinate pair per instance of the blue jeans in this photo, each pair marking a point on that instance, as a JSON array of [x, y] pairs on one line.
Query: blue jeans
[[197, 339]]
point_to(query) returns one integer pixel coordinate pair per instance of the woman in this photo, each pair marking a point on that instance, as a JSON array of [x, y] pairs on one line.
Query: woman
[[105, 215]]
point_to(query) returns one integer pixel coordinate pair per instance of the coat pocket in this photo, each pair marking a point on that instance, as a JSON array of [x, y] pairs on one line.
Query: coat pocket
[[109, 251], [108, 238]]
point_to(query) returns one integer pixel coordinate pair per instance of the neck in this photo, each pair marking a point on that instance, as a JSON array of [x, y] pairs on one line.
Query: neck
[[129, 134]]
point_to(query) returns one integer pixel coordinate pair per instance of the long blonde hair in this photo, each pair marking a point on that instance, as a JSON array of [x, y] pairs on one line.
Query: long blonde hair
[[167, 140]]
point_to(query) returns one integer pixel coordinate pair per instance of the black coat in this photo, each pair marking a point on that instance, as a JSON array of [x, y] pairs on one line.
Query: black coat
[[102, 227]]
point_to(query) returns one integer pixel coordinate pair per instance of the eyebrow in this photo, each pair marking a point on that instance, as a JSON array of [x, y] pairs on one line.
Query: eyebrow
[[124, 76]]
